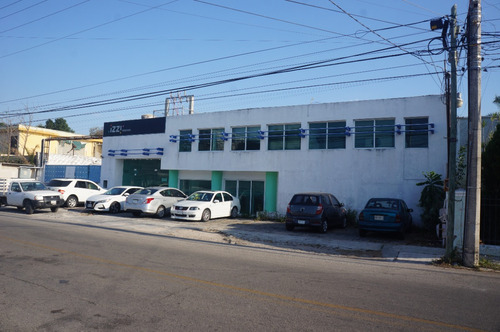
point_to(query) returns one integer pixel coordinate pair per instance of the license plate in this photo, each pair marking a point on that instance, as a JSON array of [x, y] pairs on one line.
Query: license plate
[[53, 202], [180, 213], [378, 218], [301, 222]]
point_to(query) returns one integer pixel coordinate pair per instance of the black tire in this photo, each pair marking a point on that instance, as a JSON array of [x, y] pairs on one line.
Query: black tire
[[324, 226], [401, 234], [136, 213], [114, 207], [28, 207], [234, 212], [72, 201], [54, 209], [160, 212], [362, 232], [290, 227], [205, 216]]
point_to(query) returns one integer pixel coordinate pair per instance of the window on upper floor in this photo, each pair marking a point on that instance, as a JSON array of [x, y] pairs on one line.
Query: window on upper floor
[[245, 138], [211, 139], [327, 135], [417, 132], [284, 137], [374, 133], [185, 140]]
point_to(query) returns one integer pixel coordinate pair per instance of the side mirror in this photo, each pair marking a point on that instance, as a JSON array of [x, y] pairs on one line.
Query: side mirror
[[341, 204], [216, 201], [410, 210], [126, 194]]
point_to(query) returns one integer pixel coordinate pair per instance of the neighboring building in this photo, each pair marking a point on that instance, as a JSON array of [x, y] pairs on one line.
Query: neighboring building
[[355, 150], [489, 126], [27, 141]]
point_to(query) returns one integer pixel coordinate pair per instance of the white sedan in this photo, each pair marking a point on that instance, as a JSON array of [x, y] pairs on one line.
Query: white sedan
[[112, 200], [206, 205], [153, 200]]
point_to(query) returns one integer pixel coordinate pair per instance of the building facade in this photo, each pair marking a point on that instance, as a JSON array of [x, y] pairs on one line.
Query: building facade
[[355, 150]]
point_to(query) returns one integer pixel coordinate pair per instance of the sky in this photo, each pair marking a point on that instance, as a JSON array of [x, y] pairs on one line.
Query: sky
[[96, 61]]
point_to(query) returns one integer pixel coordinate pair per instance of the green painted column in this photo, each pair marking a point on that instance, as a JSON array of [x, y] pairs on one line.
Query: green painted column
[[217, 180], [271, 192], [173, 178]]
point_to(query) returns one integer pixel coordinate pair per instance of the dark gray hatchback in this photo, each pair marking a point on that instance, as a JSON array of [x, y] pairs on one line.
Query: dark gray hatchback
[[315, 209]]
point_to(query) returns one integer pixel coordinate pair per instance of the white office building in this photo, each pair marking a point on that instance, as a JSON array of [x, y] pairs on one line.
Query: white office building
[[355, 150]]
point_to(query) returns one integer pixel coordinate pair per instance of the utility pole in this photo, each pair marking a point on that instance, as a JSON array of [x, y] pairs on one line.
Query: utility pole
[[473, 196], [452, 137]]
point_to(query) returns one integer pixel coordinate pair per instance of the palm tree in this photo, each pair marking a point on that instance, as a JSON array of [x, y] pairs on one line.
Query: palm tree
[[431, 199]]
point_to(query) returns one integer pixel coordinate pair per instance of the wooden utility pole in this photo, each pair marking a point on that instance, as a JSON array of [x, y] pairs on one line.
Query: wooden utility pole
[[473, 196]]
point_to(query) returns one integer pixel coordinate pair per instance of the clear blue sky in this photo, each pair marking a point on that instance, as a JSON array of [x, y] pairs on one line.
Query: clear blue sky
[[63, 53]]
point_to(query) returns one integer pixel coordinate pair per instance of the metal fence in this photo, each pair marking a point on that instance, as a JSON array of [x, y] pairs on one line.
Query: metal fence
[[490, 219]]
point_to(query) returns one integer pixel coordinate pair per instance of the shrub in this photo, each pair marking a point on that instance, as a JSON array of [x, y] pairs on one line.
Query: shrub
[[431, 199]]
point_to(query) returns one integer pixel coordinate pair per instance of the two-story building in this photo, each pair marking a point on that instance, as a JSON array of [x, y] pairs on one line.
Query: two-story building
[[355, 150]]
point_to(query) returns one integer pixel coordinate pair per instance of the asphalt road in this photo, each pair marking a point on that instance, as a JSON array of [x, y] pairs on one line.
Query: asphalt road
[[56, 276]]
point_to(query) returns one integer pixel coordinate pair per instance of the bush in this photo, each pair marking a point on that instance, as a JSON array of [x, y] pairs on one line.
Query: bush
[[431, 199]]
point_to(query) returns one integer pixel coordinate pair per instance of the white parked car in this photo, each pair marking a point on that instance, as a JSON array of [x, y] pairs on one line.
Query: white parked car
[[206, 205], [112, 200], [75, 191], [153, 200]]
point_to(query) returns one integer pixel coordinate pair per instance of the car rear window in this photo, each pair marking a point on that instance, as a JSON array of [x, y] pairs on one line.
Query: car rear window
[[59, 183], [146, 191], [305, 200]]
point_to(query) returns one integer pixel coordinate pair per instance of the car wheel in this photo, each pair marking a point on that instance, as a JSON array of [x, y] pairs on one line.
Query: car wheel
[[114, 207], [28, 207], [205, 216], [160, 213], [72, 201], [324, 226], [290, 227], [136, 213], [362, 232], [234, 212], [54, 209]]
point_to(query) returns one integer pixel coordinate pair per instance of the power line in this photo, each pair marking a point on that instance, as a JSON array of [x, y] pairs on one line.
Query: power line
[[22, 10]]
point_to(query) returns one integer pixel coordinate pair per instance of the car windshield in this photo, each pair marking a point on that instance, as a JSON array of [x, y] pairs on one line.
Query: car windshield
[[114, 191], [304, 200], [390, 204], [146, 191], [200, 196], [58, 183], [32, 186]]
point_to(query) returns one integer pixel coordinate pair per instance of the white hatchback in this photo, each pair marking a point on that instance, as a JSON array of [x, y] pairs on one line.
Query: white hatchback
[[206, 205], [112, 200], [153, 200]]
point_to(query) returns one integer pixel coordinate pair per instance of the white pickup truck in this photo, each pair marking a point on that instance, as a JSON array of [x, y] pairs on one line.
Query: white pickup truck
[[28, 194]]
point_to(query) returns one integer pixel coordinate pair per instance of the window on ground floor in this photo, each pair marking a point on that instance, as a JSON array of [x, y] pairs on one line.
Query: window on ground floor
[[190, 186], [250, 194]]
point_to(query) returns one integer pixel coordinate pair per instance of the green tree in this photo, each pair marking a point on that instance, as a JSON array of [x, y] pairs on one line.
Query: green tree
[[58, 124], [490, 161], [431, 199]]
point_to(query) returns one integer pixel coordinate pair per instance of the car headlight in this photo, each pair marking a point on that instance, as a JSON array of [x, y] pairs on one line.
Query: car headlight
[[194, 208], [38, 198], [103, 201]]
